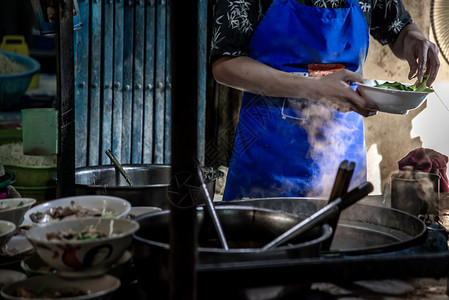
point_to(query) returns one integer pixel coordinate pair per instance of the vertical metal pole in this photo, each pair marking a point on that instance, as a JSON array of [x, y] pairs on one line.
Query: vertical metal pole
[[202, 75], [183, 236], [66, 98]]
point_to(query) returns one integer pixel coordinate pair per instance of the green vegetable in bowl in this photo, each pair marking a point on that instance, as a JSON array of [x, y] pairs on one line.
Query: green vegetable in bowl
[[5, 206], [402, 87], [423, 87]]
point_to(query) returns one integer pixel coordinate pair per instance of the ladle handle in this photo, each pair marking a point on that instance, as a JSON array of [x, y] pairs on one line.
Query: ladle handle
[[210, 208], [119, 167], [322, 215]]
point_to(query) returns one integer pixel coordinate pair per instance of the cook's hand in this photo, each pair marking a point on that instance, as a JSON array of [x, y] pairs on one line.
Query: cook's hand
[[422, 57], [420, 53], [335, 91]]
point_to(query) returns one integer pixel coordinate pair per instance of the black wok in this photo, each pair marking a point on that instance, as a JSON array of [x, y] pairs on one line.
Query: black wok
[[246, 228]]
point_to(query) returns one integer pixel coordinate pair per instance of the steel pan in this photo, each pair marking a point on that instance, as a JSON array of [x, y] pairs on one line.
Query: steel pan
[[362, 228]]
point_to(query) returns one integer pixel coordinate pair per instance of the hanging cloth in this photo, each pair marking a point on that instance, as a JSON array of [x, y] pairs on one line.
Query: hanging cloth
[[292, 147]]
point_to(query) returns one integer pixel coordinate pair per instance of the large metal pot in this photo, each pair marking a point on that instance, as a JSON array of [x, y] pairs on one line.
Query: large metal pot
[[150, 183], [246, 230]]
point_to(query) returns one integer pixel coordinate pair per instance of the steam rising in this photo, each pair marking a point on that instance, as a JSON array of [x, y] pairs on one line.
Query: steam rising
[[415, 192], [331, 135]]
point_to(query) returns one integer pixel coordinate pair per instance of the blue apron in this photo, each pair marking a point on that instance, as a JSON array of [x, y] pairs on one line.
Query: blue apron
[[292, 147]]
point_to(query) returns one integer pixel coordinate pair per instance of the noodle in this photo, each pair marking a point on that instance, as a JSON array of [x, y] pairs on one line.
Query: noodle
[[8, 66], [13, 154]]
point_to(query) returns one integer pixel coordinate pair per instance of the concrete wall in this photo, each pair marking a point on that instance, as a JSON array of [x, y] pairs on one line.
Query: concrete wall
[[390, 137]]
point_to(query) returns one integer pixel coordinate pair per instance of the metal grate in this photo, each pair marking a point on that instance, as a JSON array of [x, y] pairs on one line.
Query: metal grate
[[439, 16], [123, 82]]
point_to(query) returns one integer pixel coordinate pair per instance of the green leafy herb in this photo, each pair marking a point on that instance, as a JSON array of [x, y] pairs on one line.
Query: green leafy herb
[[402, 87], [20, 204], [88, 236], [423, 87], [42, 290]]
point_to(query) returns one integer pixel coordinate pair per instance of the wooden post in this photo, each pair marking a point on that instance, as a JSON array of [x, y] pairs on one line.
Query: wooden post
[[183, 236], [65, 98]]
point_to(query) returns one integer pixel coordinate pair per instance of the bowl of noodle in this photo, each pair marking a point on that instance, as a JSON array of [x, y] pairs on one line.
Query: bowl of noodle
[[16, 72]]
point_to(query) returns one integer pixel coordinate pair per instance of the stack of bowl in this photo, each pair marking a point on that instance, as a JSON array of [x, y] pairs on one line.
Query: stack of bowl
[[79, 262], [12, 212]]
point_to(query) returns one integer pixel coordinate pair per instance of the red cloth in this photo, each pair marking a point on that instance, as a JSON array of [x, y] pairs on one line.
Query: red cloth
[[427, 160]]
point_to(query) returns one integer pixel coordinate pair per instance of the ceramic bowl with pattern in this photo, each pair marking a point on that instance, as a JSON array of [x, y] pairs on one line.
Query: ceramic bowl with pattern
[[89, 245]]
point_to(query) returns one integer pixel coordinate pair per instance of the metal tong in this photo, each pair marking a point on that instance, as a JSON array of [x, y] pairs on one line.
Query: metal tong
[[322, 215], [341, 185], [119, 167], [211, 209]]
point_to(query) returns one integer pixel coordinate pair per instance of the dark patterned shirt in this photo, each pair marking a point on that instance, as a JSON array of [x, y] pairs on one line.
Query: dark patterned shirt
[[236, 20]]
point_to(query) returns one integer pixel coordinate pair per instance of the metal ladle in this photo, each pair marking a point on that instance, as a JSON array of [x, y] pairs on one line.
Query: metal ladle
[[119, 167], [211, 209]]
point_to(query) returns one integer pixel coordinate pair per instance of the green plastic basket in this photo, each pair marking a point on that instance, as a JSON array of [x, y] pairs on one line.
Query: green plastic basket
[[40, 193], [10, 135], [32, 176]]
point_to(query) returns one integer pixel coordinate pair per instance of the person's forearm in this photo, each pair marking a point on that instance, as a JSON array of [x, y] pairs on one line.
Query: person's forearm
[[398, 46], [419, 52], [249, 75]]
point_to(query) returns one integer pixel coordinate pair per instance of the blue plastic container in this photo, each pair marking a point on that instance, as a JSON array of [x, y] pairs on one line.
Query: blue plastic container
[[13, 86]]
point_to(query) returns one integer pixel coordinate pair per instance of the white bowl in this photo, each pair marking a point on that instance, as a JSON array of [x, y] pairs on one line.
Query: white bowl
[[17, 246], [6, 231], [140, 210], [391, 100], [92, 257], [9, 276], [110, 206], [96, 288], [34, 265], [14, 209]]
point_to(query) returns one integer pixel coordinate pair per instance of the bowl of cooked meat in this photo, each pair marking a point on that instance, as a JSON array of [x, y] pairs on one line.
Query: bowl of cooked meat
[[53, 286], [84, 246], [77, 207], [14, 209]]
